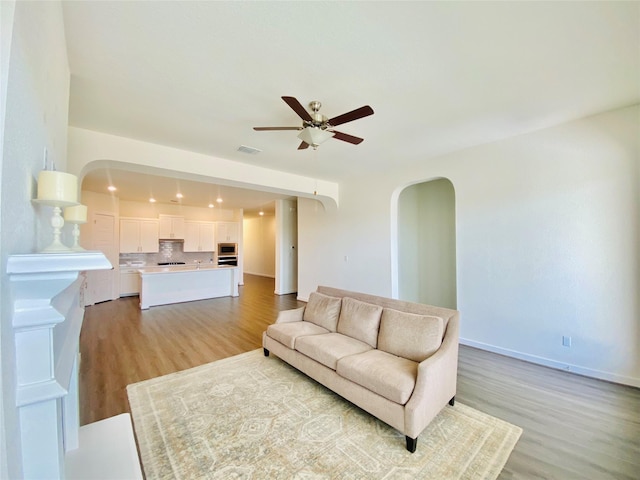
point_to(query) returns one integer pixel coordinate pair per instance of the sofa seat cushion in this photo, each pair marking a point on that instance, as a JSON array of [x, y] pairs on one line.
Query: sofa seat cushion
[[328, 349], [287, 333], [323, 310], [360, 320], [389, 376], [415, 337]]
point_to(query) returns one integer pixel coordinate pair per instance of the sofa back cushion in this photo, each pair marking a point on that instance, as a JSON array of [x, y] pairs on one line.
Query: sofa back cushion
[[402, 305], [411, 336], [323, 310], [293, 315], [360, 320]]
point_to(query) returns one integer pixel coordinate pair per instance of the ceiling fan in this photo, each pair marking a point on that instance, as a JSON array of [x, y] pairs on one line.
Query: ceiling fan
[[316, 128]]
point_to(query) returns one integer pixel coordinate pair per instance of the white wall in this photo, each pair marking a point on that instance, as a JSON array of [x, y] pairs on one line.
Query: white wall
[[35, 99], [260, 246], [348, 247], [547, 242]]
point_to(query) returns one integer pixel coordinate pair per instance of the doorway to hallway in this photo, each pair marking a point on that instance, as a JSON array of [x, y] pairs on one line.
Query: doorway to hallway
[[427, 243]]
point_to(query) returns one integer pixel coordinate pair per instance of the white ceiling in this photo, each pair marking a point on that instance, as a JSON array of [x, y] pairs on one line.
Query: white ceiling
[[141, 187], [440, 76]]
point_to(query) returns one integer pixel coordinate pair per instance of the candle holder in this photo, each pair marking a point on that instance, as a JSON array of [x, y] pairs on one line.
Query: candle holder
[[57, 189], [76, 215]]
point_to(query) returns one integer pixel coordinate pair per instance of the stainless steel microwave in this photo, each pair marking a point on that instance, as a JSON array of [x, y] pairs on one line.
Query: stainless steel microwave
[[227, 249]]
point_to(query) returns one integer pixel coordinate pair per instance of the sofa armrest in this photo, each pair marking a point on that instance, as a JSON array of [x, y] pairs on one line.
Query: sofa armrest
[[294, 315], [436, 382]]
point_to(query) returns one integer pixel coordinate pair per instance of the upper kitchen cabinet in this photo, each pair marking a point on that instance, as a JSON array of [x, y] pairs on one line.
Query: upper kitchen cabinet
[[227, 232], [139, 235], [171, 227], [199, 237]]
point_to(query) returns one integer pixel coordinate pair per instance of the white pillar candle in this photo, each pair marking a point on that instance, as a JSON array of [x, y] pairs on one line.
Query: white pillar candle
[[57, 188], [76, 214]]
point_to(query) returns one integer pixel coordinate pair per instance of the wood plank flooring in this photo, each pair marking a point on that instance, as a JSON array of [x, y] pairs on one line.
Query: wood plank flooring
[[120, 344], [574, 427]]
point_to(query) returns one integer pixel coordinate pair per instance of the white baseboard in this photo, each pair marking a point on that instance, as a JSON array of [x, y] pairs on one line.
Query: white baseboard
[[587, 372]]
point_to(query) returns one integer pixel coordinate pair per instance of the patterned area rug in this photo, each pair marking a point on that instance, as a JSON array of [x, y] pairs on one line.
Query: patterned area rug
[[252, 417]]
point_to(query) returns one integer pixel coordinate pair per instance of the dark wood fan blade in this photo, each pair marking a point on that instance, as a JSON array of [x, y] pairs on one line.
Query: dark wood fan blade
[[351, 116], [298, 108], [347, 138], [303, 145], [262, 129]]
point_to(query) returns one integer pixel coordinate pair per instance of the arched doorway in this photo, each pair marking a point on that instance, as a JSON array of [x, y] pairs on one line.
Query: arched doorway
[[427, 243]]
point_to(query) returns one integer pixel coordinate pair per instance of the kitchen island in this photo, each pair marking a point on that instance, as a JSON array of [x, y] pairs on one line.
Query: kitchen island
[[175, 284]]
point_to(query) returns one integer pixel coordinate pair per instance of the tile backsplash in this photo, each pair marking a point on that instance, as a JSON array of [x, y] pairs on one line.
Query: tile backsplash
[[169, 252]]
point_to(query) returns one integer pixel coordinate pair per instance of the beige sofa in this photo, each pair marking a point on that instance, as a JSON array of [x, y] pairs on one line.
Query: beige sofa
[[397, 360]]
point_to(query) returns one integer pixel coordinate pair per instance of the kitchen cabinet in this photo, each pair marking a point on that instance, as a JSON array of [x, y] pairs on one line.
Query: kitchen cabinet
[[129, 281], [227, 232], [139, 235], [199, 237], [171, 227]]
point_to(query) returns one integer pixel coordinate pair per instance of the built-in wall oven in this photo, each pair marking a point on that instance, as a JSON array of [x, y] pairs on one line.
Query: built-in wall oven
[[228, 254], [228, 261]]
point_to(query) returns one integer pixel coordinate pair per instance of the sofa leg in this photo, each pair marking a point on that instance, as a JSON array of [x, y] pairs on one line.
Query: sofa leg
[[412, 443], [452, 401], [266, 352]]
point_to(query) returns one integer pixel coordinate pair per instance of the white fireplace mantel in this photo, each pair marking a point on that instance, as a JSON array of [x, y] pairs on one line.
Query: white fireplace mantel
[[47, 313]]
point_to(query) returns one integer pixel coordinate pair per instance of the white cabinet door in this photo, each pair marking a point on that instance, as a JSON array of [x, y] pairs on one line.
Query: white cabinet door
[[171, 227], [138, 235], [149, 236], [199, 237], [227, 232], [191, 236], [129, 236], [129, 283], [207, 237]]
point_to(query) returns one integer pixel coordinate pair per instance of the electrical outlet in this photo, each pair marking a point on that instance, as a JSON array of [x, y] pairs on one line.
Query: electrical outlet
[[566, 341]]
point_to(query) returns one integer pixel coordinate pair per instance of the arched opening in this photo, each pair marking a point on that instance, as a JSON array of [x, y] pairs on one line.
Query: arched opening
[[426, 240]]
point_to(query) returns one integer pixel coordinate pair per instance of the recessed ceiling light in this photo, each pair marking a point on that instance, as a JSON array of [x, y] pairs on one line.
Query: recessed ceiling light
[[211, 205], [111, 188], [178, 195], [219, 199], [152, 200], [261, 213]]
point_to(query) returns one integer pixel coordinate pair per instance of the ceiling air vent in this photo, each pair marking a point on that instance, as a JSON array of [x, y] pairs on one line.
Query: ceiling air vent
[[249, 150]]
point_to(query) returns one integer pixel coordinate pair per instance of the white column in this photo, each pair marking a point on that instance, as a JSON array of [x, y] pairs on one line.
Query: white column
[[286, 247]]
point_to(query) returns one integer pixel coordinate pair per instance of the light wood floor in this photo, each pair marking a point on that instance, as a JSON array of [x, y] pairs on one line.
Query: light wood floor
[[574, 427]]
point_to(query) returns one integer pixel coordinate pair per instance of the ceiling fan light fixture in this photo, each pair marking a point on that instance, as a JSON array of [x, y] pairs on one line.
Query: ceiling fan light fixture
[[314, 136], [315, 126]]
